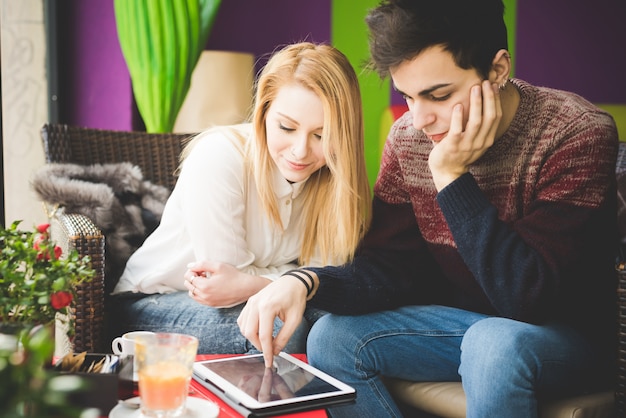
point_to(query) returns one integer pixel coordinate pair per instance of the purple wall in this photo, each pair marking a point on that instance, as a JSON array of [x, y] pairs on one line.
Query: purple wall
[[92, 69], [578, 46], [97, 80], [253, 26]]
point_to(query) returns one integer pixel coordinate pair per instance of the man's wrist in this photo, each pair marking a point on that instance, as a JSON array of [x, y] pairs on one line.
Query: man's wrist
[[305, 278]]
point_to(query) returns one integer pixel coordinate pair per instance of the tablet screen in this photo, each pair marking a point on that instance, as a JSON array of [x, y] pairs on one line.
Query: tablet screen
[[283, 381], [289, 382]]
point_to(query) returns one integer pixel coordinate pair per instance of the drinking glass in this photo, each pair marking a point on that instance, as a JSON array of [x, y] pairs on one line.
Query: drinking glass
[[165, 364]]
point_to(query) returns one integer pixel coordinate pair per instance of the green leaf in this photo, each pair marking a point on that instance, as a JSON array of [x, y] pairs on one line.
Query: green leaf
[[161, 41], [59, 284]]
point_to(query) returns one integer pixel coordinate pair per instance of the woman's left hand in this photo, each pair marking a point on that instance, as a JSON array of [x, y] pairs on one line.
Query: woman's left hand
[[220, 284]]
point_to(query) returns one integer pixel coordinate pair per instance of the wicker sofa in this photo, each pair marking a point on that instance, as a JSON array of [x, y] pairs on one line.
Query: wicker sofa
[[157, 155]]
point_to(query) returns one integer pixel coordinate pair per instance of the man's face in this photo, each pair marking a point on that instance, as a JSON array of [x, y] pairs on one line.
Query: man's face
[[432, 83]]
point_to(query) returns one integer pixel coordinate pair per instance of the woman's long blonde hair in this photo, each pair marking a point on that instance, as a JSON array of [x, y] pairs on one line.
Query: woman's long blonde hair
[[337, 197]]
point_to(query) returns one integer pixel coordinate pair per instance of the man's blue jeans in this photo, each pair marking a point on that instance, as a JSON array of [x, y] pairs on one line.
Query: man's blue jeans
[[505, 366], [216, 329]]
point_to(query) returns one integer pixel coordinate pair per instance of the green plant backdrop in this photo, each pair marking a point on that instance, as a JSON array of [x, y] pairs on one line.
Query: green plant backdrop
[[161, 41]]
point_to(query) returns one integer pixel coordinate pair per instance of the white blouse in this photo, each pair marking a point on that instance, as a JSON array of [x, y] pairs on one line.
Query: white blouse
[[214, 214]]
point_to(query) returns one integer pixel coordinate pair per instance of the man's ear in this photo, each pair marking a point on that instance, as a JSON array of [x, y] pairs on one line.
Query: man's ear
[[500, 67]]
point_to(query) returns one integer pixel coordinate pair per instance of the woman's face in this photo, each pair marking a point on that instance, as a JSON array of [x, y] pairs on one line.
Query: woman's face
[[294, 132], [432, 84]]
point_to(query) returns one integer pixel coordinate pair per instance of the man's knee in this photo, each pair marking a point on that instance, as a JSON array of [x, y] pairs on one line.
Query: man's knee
[[329, 337], [323, 329], [494, 341]]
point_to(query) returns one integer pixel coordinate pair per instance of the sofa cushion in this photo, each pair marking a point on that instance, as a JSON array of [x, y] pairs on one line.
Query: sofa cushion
[[447, 400], [115, 196]]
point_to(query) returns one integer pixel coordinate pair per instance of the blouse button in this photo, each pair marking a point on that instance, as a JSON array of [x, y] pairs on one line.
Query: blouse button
[[287, 202]]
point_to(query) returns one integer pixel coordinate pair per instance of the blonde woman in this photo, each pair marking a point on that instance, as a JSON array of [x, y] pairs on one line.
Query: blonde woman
[[254, 201]]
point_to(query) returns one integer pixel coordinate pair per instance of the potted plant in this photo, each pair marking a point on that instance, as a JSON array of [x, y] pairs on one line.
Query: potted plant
[[37, 282], [27, 387]]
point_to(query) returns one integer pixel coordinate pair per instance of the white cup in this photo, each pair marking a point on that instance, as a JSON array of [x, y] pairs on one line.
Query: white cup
[[125, 345]]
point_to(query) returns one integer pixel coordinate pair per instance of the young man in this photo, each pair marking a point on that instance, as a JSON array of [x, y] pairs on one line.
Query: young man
[[490, 256]]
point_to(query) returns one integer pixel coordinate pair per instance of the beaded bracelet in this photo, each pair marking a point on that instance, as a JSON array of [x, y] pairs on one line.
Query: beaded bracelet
[[309, 286]]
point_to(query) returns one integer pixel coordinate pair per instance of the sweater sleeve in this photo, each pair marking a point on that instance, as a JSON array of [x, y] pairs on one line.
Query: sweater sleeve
[[526, 267], [384, 271]]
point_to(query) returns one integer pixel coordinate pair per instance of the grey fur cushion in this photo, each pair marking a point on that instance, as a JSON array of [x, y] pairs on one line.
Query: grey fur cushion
[[115, 197]]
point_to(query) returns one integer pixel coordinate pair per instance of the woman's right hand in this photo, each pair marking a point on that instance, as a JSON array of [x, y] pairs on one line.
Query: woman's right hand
[[220, 284], [284, 298]]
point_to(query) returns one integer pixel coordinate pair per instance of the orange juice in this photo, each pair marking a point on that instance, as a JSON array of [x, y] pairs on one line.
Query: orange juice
[[163, 385], [165, 363]]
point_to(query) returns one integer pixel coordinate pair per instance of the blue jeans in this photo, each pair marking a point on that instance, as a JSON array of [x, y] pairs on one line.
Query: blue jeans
[[506, 366], [216, 329]]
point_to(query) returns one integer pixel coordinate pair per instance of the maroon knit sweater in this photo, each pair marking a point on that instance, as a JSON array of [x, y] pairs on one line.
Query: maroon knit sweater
[[529, 233]]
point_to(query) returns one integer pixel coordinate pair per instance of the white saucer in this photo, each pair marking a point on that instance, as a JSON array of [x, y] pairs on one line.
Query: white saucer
[[196, 408]]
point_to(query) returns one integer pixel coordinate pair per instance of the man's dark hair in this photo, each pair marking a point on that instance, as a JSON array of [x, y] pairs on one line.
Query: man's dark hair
[[471, 30]]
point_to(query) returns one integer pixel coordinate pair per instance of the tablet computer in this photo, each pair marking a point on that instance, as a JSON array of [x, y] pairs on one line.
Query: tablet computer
[[253, 390]]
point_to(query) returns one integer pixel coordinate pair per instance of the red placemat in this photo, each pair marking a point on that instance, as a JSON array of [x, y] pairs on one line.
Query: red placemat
[[226, 411]]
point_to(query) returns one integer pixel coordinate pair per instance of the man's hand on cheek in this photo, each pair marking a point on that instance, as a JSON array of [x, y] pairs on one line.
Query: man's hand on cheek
[[452, 157]]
